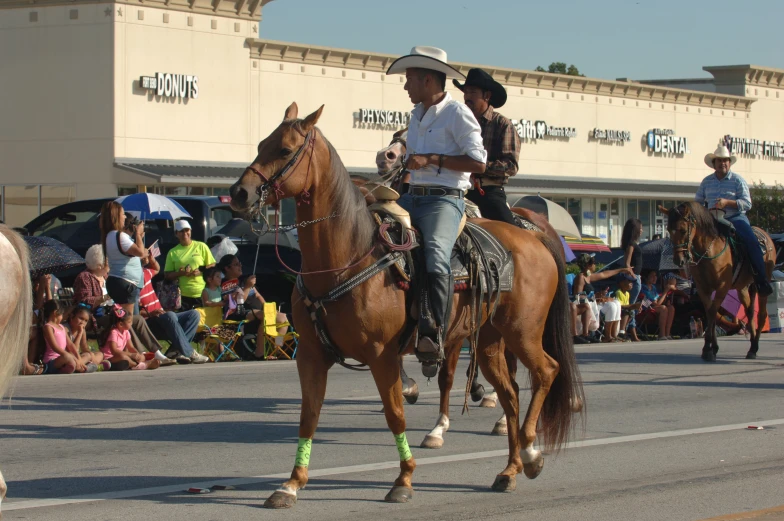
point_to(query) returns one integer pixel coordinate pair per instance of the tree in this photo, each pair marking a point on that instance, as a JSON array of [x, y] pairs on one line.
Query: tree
[[560, 68], [767, 210]]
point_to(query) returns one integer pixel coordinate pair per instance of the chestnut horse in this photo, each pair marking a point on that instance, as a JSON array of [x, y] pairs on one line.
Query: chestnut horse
[[16, 310], [698, 245], [338, 239], [389, 161]]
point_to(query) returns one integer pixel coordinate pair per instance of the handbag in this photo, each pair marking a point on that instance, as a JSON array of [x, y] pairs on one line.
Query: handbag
[[169, 294]]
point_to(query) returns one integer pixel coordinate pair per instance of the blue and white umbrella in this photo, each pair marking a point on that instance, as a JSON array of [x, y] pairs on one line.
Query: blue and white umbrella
[[152, 206]]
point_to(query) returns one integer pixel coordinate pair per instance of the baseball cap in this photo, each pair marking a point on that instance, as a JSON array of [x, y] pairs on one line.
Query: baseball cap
[[628, 277], [181, 225]]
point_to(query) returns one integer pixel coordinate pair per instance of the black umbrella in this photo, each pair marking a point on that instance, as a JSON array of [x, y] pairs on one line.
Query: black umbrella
[[657, 255], [49, 255]]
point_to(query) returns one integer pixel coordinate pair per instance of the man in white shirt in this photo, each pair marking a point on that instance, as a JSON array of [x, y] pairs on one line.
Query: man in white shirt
[[444, 147]]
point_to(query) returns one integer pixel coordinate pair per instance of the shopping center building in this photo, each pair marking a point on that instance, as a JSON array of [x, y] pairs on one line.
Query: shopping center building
[[101, 99]]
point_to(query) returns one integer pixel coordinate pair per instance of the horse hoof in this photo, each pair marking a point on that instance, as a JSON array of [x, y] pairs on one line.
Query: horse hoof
[[533, 469], [504, 483], [411, 394], [399, 494], [489, 401], [751, 355], [280, 499], [709, 355], [500, 429], [477, 392], [432, 442]]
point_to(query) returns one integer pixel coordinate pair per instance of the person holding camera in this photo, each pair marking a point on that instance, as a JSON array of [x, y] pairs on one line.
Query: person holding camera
[[186, 262], [124, 253]]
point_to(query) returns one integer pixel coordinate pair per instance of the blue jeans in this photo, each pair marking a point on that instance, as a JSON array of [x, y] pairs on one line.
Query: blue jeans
[[177, 328], [438, 219], [746, 234], [633, 294]]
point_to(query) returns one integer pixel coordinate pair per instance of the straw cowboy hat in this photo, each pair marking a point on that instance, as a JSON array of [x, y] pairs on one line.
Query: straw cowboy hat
[[424, 57], [722, 153], [481, 79]]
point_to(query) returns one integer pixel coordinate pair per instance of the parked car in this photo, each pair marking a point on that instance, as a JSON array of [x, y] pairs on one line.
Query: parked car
[[76, 224]]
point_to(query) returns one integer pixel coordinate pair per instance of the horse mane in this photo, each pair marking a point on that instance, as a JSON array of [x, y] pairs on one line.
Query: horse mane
[[349, 203], [14, 336], [703, 220]]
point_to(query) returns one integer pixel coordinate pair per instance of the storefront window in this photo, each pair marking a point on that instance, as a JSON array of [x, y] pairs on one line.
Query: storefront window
[[573, 206], [644, 215], [588, 225]]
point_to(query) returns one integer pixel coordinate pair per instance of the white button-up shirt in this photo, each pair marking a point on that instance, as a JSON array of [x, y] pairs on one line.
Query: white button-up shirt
[[448, 128]]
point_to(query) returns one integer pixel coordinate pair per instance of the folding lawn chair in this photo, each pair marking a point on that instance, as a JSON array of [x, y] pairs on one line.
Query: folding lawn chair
[[222, 342], [278, 345]]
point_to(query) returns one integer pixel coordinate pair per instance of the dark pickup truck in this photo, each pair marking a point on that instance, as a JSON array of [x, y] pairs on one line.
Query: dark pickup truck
[[76, 224]]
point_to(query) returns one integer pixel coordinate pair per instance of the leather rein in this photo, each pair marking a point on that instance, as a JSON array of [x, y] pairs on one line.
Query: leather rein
[[688, 248]]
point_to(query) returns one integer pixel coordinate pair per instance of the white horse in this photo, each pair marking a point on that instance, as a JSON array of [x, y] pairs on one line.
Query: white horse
[[16, 311]]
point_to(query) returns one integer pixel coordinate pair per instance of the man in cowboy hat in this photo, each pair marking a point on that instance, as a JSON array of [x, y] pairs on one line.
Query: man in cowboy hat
[[482, 94], [444, 147], [726, 190]]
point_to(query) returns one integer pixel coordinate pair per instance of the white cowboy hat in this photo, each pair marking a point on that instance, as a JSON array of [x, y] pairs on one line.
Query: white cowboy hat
[[723, 153], [424, 57]]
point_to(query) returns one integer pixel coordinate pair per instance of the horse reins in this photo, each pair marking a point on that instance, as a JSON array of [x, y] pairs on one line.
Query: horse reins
[[688, 248]]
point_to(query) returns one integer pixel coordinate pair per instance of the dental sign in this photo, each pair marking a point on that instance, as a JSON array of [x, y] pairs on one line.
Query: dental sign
[[754, 147], [533, 130], [664, 141], [177, 86], [384, 118]]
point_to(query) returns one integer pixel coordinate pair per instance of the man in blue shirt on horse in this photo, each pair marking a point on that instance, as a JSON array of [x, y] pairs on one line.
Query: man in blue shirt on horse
[[726, 190]]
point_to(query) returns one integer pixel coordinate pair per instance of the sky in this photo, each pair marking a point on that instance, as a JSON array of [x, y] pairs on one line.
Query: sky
[[609, 39]]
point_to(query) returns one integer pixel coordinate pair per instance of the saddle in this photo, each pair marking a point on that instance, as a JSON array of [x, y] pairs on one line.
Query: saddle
[[478, 259], [738, 248]]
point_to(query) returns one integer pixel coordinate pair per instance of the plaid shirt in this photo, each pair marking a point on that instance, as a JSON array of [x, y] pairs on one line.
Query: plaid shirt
[[732, 187], [502, 144]]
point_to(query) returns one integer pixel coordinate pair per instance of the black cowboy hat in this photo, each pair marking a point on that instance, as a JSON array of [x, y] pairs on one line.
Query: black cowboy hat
[[481, 79]]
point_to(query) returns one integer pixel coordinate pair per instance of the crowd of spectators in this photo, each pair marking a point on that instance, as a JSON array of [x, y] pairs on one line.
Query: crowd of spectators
[[116, 320]]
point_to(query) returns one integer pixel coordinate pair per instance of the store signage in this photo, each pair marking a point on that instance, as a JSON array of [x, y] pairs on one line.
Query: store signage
[[171, 85], [386, 118], [611, 135], [527, 129], [754, 147], [664, 141]]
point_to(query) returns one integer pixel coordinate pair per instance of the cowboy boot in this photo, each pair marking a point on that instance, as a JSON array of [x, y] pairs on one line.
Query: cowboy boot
[[430, 349]]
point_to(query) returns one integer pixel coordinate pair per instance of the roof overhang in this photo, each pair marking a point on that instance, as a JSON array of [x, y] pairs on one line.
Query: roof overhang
[[591, 186]]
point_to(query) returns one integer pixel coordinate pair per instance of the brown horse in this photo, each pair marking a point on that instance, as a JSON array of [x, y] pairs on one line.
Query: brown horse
[[389, 161], [16, 310], [698, 245], [338, 239]]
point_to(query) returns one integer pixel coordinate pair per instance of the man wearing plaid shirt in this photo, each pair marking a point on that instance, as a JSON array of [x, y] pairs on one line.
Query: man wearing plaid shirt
[[482, 94]]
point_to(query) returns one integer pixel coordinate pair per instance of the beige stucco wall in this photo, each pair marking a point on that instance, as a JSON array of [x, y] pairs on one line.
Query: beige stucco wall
[[56, 98]]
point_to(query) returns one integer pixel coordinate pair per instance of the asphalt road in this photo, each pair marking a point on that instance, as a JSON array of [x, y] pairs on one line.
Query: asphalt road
[[666, 438]]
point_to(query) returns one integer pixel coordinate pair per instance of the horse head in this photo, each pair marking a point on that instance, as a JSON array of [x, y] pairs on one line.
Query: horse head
[[282, 164], [390, 159], [681, 227]]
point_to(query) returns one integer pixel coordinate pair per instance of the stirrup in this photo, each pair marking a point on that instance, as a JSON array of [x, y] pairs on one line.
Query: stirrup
[[432, 352]]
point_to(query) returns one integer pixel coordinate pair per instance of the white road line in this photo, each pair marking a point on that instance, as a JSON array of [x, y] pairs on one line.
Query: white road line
[[335, 471]]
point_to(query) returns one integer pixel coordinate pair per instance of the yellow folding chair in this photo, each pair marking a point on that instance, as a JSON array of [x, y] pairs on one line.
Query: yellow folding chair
[[277, 345]]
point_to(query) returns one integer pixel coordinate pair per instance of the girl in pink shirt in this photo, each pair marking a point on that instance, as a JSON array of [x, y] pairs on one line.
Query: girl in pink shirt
[[118, 346], [60, 355]]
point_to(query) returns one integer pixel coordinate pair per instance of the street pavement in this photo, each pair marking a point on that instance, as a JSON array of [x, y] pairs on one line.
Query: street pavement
[[666, 438]]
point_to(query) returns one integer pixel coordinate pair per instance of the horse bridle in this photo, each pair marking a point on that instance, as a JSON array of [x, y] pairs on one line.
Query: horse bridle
[[687, 246], [272, 183]]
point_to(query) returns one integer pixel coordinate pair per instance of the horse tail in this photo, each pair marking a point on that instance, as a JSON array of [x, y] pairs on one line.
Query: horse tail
[[566, 392], [15, 334]]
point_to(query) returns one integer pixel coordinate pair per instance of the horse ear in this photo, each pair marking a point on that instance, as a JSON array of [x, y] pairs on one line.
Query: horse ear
[[663, 210], [311, 120], [399, 133], [291, 112]]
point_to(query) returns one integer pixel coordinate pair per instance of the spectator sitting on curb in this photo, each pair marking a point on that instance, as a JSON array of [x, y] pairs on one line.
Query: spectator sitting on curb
[[627, 310], [178, 328]]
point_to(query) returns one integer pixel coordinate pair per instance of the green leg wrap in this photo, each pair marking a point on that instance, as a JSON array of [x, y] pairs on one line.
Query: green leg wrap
[[303, 452], [402, 446]]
